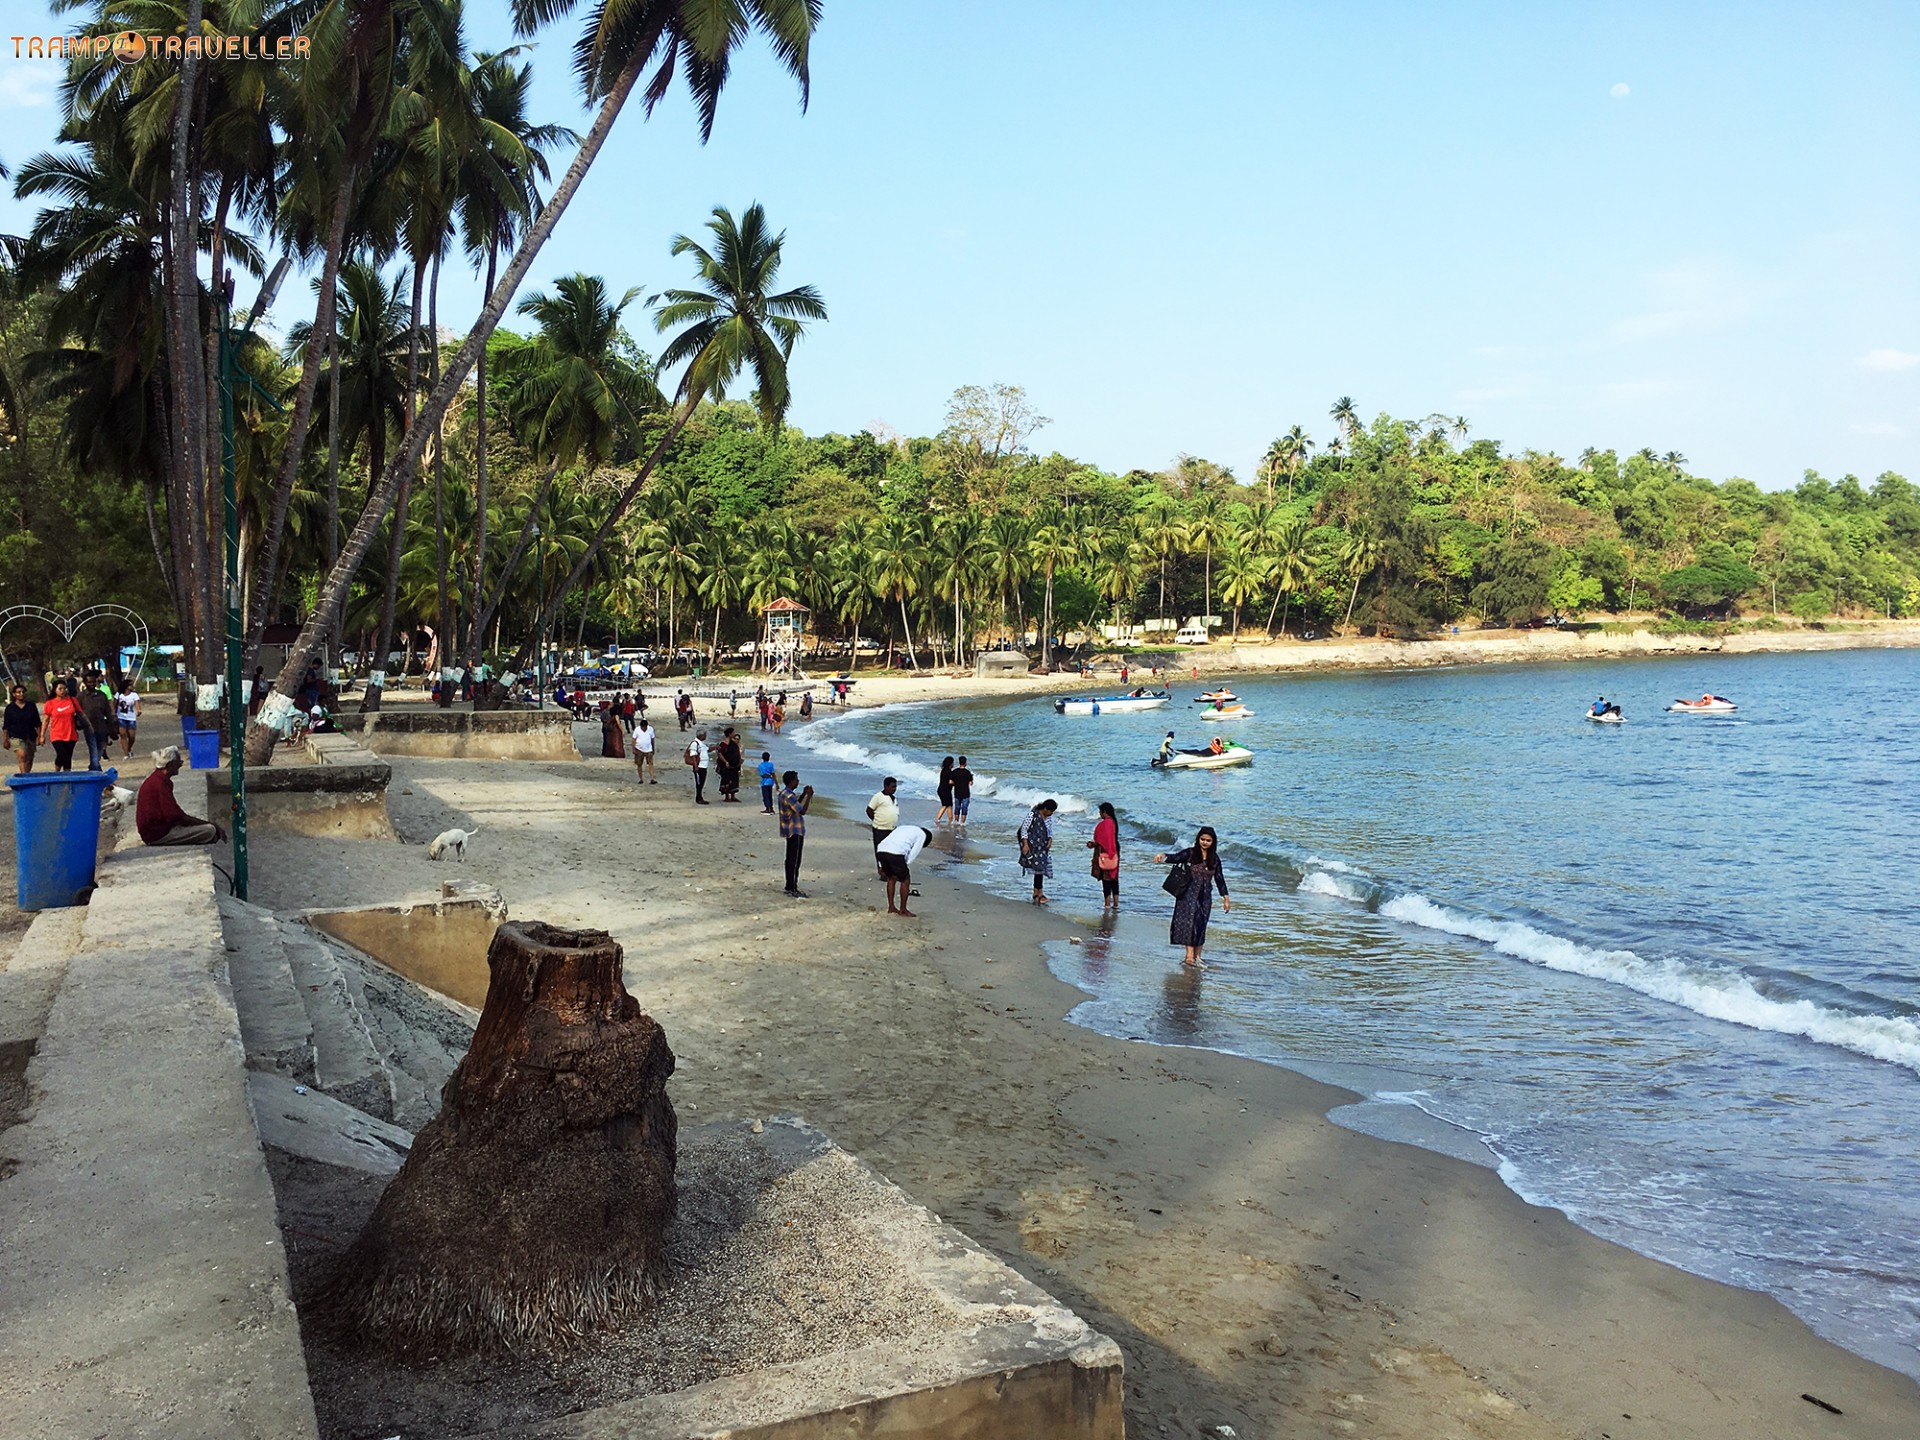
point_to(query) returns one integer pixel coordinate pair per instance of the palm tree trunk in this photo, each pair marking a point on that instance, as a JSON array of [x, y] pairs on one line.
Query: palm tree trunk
[[444, 639], [333, 464], [1277, 593], [398, 544], [333, 589], [302, 418], [184, 283], [1350, 599], [383, 646], [480, 482], [907, 626]]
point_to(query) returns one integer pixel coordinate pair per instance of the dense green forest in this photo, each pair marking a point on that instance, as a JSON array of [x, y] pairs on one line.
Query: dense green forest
[[584, 463]]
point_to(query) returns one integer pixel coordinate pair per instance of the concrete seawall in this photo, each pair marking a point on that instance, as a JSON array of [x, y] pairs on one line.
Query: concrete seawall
[[143, 1284]]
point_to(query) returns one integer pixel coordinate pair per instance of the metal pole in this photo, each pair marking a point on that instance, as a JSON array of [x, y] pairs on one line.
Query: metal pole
[[540, 609], [236, 707]]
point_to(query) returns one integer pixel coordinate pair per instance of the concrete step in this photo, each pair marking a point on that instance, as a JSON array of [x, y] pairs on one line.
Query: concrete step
[[420, 1035], [347, 1064], [35, 971], [305, 1122], [274, 1024]]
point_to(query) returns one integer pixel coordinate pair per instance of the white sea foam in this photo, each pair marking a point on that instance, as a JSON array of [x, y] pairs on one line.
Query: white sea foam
[[1339, 867], [1714, 991], [923, 779], [1338, 887]]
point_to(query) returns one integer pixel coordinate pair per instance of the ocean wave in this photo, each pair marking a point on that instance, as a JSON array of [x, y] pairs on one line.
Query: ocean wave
[[1717, 992], [1338, 887], [922, 779]]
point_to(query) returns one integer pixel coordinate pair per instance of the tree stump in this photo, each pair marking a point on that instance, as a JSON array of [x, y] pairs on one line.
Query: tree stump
[[531, 1210]]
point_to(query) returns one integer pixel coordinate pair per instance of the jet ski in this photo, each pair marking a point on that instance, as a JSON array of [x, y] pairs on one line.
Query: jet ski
[[1226, 712], [1215, 697], [1612, 717], [1705, 705]]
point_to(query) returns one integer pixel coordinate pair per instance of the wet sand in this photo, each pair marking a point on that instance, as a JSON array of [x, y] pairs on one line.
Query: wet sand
[[1261, 1267]]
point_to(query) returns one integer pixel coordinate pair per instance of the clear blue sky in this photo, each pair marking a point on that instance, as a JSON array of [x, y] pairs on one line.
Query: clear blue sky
[[1184, 228]]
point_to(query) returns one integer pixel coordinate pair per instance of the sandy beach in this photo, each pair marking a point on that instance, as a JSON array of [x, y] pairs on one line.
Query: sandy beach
[[1261, 1267]]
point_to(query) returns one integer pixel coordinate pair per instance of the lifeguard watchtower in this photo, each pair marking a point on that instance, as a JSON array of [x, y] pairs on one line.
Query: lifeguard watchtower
[[785, 642]]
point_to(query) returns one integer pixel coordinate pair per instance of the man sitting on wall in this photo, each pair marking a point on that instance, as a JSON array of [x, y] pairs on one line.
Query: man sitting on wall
[[158, 815]]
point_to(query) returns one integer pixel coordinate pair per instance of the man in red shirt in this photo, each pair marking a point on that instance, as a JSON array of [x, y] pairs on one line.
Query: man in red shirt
[[158, 815]]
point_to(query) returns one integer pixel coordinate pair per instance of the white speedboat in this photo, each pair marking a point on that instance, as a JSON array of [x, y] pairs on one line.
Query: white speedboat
[[1612, 717], [1205, 759], [1705, 705], [1110, 704], [1226, 712]]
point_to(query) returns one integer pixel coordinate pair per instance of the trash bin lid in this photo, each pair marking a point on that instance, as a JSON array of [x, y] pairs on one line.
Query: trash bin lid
[[63, 777]]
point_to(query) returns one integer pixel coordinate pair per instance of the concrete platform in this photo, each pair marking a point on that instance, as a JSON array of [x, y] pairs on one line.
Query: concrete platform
[[465, 734], [1016, 1362], [343, 798]]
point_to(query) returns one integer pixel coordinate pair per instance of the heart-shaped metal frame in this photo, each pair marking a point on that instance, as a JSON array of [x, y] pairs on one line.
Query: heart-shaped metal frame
[[71, 625]]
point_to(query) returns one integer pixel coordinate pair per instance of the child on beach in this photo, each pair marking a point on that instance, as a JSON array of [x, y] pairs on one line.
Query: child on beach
[[766, 782]]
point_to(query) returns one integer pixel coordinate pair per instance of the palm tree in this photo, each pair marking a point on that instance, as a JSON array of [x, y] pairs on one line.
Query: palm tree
[[1360, 553], [1116, 570], [1206, 527], [1243, 572], [368, 381], [898, 558], [573, 393], [1297, 445], [1291, 569], [1461, 429], [670, 550], [734, 323], [1053, 546], [501, 165], [958, 562], [1673, 460], [623, 38], [1164, 534], [852, 590], [1344, 416], [720, 581]]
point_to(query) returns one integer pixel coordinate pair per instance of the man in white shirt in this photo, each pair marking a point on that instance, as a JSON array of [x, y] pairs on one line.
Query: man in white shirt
[[697, 752], [896, 854], [884, 813], [643, 743]]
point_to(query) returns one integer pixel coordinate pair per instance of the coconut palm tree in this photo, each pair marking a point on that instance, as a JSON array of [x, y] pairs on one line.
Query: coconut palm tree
[[623, 40], [852, 590], [1359, 554], [1291, 568], [1007, 561], [573, 392], [720, 584], [502, 164], [1345, 417], [1053, 546], [1116, 569], [1244, 572], [735, 323], [670, 549], [959, 563], [898, 560], [1207, 526], [368, 381], [1163, 531]]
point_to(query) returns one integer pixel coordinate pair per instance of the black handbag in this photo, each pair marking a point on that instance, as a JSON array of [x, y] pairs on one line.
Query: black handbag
[[1176, 882]]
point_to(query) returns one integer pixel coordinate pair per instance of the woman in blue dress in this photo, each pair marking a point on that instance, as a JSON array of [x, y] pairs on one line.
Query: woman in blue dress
[[1036, 847], [1193, 905]]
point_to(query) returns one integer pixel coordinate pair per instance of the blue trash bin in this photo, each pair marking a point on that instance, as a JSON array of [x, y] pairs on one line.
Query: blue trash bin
[[203, 749], [56, 830]]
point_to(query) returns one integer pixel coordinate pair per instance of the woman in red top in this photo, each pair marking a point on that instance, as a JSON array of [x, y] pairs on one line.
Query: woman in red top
[[60, 718], [1106, 856]]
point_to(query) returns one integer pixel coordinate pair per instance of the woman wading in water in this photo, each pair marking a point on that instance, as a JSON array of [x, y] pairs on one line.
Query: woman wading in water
[[1196, 871], [1106, 856], [945, 791], [1036, 847]]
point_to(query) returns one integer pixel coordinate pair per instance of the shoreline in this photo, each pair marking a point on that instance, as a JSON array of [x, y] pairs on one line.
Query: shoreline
[[1262, 1266], [1498, 647]]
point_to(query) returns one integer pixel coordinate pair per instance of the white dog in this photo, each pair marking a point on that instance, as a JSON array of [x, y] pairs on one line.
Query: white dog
[[119, 797], [450, 842]]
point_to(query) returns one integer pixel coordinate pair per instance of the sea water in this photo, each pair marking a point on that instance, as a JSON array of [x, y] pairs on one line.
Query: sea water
[[1663, 976]]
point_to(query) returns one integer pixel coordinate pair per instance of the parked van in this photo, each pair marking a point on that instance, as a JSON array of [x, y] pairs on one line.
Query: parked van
[[1191, 635]]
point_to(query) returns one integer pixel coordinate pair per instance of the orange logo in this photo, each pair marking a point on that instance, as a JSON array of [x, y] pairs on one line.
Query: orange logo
[[130, 47]]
